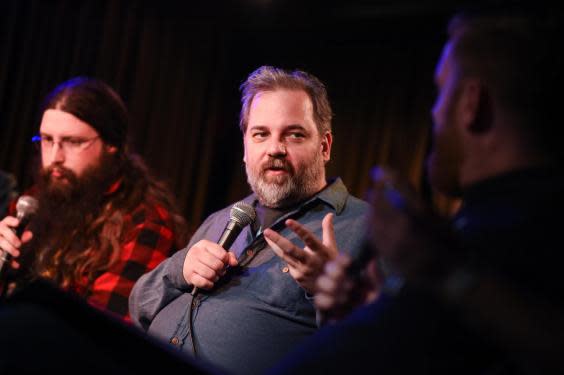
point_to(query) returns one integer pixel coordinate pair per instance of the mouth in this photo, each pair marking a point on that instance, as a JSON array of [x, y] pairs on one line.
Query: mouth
[[276, 170], [58, 174]]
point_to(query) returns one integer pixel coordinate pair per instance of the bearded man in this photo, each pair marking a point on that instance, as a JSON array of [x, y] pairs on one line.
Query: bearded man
[[102, 219], [254, 302]]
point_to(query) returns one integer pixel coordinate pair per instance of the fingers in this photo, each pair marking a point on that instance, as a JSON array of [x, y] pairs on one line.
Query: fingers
[[9, 221], [9, 241], [205, 263], [26, 236], [232, 259], [327, 246], [306, 264], [285, 249], [329, 236], [207, 272], [201, 282], [332, 286], [306, 236]]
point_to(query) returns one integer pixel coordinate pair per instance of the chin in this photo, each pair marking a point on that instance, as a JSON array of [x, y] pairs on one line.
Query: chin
[[278, 180], [63, 181]]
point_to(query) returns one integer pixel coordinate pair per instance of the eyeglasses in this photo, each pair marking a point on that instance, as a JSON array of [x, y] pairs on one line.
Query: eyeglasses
[[67, 144]]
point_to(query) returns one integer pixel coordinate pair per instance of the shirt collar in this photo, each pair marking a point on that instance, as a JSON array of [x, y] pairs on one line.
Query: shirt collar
[[334, 194]]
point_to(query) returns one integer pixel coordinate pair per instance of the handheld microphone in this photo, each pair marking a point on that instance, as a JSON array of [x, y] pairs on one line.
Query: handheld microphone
[[241, 215], [26, 207]]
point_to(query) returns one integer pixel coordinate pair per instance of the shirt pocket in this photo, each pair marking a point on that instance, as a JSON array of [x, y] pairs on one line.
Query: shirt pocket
[[268, 279]]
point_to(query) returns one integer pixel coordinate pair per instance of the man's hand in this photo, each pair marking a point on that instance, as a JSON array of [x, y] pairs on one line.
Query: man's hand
[[9, 242], [205, 263], [339, 293], [406, 234], [306, 264]]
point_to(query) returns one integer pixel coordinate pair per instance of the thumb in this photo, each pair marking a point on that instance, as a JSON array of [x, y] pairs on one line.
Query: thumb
[[26, 236], [232, 259]]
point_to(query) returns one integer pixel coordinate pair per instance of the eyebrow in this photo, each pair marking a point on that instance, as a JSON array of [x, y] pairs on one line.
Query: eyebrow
[[43, 134], [286, 128], [295, 127]]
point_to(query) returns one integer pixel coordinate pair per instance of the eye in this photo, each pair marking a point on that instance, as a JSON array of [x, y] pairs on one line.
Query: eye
[[296, 135], [75, 141], [259, 135], [46, 140]]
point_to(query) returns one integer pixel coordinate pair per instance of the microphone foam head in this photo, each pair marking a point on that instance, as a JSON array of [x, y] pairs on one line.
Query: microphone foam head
[[243, 213], [26, 206]]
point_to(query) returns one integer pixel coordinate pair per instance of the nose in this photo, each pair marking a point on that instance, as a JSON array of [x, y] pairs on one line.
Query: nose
[[55, 155], [277, 149]]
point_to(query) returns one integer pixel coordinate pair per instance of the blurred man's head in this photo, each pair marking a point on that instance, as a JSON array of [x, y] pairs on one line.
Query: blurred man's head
[[499, 81]]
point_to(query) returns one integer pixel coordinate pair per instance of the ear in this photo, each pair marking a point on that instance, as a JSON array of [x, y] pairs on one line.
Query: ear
[[476, 106], [326, 142], [244, 149]]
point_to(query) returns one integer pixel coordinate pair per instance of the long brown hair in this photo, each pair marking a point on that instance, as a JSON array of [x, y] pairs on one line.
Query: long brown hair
[[77, 262]]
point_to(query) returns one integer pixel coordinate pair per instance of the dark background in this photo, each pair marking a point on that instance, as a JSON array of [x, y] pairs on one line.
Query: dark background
[[178, 66]]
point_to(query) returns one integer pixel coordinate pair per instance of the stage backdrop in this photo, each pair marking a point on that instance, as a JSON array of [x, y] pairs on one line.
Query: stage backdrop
[[178, 65]]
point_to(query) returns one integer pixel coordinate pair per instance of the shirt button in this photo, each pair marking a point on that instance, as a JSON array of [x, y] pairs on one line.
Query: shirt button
[[285, 269], [174, 341], [250, 252]]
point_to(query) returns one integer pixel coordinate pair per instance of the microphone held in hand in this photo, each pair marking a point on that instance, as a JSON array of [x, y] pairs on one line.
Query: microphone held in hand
[[26, 207], [241, 215]]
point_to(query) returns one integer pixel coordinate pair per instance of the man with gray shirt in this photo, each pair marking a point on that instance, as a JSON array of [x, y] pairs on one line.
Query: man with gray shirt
[[253, 303]]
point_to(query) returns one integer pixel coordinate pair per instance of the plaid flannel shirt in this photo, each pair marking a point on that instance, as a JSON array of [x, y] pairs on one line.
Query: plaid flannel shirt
[[148, 241]]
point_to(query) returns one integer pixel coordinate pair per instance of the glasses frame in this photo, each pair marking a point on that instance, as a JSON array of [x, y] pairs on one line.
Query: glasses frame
[[71, 145]]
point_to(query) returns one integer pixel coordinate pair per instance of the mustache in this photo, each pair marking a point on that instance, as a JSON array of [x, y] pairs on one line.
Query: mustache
[[63, 171], [278, 164]]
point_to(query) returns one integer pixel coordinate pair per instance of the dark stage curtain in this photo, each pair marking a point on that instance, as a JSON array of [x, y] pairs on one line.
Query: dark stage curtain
[[178, 65]]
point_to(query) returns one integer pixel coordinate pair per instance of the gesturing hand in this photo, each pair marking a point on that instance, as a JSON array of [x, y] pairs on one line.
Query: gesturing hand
[[305, 264], [339, 293]]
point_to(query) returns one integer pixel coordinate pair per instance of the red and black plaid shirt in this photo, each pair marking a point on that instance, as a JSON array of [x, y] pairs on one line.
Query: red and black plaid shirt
[[149, 241]]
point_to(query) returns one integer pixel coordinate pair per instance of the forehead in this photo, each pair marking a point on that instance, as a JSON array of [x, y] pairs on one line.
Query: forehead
[[281, 107], [57, 122]]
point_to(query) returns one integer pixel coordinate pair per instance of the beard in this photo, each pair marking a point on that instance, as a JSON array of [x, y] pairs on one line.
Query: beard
[[288, 189], [69, 203]]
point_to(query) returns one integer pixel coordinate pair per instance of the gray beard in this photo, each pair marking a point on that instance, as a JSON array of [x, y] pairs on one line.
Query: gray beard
[[284, 191]]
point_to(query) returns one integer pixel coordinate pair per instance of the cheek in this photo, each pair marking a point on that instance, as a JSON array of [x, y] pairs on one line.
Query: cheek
[[252, 158], [444, 161], [45, 162], [79, 163], [438, 111], [304, 158]]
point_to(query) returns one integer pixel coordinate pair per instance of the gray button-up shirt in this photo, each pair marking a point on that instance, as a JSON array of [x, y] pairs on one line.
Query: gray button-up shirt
[[258, 311]]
